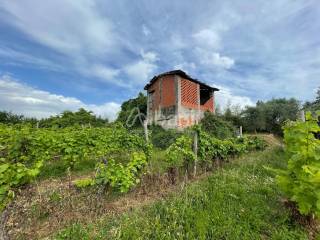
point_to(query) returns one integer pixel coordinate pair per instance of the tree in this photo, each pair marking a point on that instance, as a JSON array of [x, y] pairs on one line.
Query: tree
[[314, 105], [271, 115], [232, 114], [217, 126], [317, 101], [10, 118], [68, 118], [277, 111], [253, 119], [131, 108]]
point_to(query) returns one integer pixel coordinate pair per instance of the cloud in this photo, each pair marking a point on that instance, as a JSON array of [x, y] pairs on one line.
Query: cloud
[[14, 57], [259, 49], [31, 102], [207, 38], [103, 72], [186, 66], [140, 71], [146, 31], [214, 59], [70, 27], [74, 29], [225, 97]]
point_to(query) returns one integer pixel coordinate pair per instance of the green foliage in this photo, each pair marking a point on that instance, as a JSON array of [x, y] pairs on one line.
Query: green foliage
[[68, 119], [314, 105], [180, 152], [10, 118], [301, 180], [24, 150], [239, 202], [85, 182], [233, 116], [210, 148], [270, 116], [129, 110], [81, 117], [162, 138], [119, 176], [318, 96], [217, 127], [13, 175]]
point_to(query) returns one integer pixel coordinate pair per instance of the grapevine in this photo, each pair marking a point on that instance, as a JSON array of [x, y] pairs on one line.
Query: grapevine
[[301, 179], [210, 148], [24, 150]]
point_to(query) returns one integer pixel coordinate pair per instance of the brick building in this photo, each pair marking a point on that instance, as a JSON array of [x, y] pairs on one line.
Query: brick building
[[175, 100]]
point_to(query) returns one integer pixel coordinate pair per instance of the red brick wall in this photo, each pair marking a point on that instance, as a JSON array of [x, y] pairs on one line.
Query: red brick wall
[[186, 122], [156, 97], [168, 92], [166, 96], [189, 94], [209, 105]]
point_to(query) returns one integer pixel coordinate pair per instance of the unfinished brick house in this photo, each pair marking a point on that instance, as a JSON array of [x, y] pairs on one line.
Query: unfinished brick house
[[175, 100]]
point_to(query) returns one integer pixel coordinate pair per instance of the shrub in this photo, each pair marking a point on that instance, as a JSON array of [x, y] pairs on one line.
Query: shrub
[[162, 138], [301, 180], [180, 153], [82, 183], [119, 176], [217, 127]]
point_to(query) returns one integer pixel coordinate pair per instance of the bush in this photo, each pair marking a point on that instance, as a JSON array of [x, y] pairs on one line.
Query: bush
[[82, 183], [162, 138], [301, 180], [180, 153], [217, 127], [211, 148]]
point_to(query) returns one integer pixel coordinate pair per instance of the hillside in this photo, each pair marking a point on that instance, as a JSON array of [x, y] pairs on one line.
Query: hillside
[[239, 201], [239, 196]]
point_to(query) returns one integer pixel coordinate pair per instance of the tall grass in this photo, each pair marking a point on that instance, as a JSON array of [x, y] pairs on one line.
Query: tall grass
[[239, 201]]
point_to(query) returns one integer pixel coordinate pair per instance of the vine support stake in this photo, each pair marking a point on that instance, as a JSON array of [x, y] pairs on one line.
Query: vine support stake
[[195, 149], [302, 116], [145, 127]]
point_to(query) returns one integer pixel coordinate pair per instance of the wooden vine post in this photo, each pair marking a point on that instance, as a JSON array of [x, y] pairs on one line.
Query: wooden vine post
[[145, 127], [302, 116], [195, 150]]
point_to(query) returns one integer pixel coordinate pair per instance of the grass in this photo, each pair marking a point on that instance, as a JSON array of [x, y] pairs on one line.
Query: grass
[[238, 201], [157, 163], [58, 168]]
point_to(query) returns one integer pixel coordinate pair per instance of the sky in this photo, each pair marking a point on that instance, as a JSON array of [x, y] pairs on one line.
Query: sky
[[66, 54]]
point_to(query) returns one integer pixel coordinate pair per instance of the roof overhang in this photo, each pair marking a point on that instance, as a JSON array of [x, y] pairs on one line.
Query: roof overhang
[[181, 74]]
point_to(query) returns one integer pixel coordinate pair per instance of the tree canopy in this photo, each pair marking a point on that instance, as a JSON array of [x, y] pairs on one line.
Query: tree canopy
[[65, 119], [68, 118], [314, 105], [217, 126], [129, 110], [8, 117], [271, 115]]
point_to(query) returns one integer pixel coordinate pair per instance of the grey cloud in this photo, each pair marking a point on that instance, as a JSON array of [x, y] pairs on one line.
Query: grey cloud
[[23, 99]]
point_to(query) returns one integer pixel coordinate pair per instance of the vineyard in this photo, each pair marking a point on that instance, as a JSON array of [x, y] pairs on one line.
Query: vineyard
[[24, 151], [120, 156], [122, 160]]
